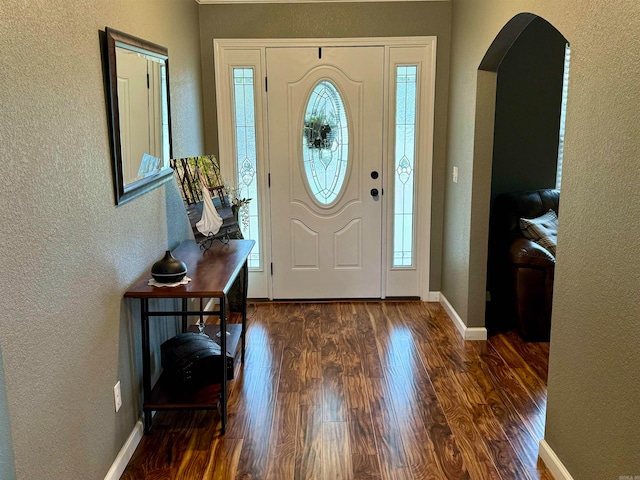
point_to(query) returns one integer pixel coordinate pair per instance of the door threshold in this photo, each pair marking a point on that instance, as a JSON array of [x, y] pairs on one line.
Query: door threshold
[[334, 300]]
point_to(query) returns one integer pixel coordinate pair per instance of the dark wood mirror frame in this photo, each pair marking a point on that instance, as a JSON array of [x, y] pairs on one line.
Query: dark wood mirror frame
[[111, 39]]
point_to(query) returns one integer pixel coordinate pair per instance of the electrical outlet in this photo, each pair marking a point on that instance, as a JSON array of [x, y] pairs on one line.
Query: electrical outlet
[[455, 174], [117, 396]]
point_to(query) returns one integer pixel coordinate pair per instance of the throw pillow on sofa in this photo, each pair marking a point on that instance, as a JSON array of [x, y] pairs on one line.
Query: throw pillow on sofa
[[542, 230]]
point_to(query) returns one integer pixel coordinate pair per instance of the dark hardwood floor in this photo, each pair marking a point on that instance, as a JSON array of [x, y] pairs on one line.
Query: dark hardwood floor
[[362, 390]]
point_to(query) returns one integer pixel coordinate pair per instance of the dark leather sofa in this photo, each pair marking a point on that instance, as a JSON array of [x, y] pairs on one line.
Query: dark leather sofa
[[520, 272]]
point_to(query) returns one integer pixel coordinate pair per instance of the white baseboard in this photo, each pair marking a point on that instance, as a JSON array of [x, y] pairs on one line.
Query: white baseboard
[[126, 452], [553, 463], [468, 333], [433, 297]]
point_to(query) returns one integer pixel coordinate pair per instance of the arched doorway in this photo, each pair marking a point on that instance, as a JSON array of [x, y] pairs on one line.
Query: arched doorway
[[518, 109]]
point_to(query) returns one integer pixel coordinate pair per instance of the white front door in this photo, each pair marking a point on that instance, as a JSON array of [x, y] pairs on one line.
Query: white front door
[[325, 124], [301, 131]]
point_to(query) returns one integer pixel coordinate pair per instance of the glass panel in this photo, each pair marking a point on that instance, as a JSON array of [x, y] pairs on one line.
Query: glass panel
[[325, 143], [166, 151], [404, 179], [246, 159]]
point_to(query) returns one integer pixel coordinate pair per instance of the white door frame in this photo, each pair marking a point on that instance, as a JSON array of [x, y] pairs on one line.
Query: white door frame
[[239, 52]]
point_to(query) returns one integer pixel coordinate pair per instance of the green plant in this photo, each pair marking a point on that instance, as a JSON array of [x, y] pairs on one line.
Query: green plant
[[241, 205]]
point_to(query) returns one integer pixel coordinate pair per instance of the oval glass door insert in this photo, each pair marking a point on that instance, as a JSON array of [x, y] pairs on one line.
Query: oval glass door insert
[[325, 143]]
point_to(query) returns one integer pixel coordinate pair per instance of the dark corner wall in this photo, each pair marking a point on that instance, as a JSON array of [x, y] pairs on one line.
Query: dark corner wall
[[525, 144], [527, 120]]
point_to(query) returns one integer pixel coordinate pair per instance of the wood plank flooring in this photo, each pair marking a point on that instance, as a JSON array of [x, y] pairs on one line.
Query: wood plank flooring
[[362, 390]]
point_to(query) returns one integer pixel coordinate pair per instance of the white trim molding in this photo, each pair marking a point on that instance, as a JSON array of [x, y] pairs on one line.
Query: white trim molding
[[222, 2], [126, 452], [553, 463], [468, 333], [433, 297]]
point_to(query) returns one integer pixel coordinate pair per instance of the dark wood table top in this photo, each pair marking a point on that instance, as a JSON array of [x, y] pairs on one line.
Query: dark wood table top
[[211, 271]]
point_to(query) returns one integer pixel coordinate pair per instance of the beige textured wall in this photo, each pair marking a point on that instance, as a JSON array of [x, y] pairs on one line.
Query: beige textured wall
[[594, 386], [69, 253], [340, 20]]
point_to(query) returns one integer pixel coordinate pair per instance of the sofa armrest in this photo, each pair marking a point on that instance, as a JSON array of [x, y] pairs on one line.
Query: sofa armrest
[[526, 253]]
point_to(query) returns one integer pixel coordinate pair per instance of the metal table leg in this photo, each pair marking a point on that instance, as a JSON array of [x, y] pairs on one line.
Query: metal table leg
[[223, 351], [245, 288], [185, 317], [146, 362]]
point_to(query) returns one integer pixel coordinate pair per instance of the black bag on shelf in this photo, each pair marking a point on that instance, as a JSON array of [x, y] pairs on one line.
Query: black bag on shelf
[[194, 360]]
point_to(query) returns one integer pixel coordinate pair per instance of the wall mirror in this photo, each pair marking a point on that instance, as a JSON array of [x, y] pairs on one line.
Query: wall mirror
[[137, 89]]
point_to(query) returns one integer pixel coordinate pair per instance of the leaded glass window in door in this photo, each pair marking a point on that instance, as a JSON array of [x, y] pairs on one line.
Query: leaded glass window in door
[[325, 143]]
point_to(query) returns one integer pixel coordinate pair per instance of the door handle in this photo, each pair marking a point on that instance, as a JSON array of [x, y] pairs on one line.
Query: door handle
[[374, 192]]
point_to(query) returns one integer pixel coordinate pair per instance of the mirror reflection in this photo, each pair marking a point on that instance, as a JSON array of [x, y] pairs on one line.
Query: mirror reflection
[[139, 114], [142, 103]]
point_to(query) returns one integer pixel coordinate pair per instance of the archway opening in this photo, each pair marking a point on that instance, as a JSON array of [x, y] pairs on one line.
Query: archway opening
[[521, 91]]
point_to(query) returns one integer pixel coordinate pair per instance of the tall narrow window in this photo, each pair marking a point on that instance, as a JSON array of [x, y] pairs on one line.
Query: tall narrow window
[[246, 161], [563, 110], [404, 178], [165, 112]]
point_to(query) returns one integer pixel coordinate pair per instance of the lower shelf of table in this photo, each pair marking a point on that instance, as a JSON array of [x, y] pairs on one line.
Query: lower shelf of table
[[167, 394]]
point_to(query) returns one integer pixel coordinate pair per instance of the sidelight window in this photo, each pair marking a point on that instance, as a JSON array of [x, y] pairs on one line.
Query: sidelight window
[[563, 112], [246, 158], [404, 171]]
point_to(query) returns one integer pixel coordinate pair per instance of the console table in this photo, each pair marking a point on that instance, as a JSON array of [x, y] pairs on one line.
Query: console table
[[212, 274]]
